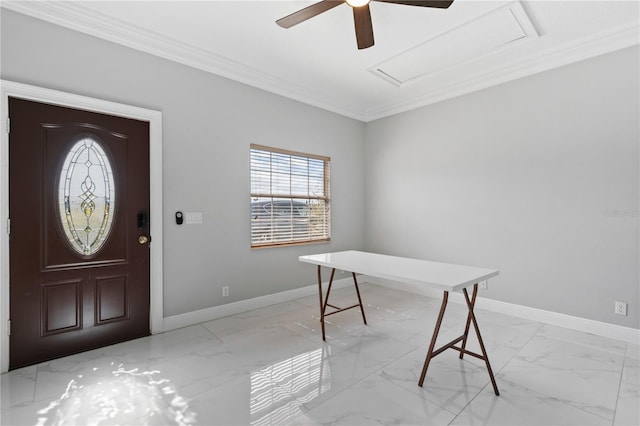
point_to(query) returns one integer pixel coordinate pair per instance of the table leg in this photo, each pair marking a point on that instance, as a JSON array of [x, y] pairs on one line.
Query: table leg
[[326, 297], [471, 319], [323, 304], [324, 301], [355, 282], [430, 355], [321, 301], [484, 352], [466, 328]]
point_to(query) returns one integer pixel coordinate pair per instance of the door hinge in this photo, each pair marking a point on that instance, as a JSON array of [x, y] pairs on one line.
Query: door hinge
[[8, 327], [8, 125], [9, 226]]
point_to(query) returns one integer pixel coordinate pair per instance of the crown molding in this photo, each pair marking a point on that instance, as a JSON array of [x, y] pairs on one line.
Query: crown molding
[[595, 45], [79, 18]]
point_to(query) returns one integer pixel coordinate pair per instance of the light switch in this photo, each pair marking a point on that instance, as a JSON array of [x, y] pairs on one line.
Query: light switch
[[193, 218]]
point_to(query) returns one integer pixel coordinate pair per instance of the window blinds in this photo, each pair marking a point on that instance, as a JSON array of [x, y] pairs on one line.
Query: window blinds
[[289, 197]]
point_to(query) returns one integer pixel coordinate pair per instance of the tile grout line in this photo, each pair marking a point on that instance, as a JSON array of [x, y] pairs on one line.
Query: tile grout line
[[624, 363]]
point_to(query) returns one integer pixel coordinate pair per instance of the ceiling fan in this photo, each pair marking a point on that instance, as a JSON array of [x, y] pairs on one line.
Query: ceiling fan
[[361, 15]]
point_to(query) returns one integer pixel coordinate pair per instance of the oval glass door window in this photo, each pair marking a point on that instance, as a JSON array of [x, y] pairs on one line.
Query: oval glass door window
[[86, 196]]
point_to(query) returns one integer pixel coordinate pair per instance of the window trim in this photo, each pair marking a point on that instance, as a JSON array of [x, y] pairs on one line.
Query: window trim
[[326, 197]]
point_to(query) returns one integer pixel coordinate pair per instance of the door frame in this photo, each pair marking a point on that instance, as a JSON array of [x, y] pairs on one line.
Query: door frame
[[55, 97]]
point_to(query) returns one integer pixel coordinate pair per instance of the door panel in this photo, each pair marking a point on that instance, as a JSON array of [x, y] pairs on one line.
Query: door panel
[[79, 278], [61, 306], [111, 297]]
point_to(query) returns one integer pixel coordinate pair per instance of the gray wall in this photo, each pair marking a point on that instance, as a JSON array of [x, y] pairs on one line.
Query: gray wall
[[537, 177], [526, 177], [208, 124]]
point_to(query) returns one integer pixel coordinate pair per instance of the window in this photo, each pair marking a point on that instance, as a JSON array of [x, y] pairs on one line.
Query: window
[[86, 196], [289, 197]]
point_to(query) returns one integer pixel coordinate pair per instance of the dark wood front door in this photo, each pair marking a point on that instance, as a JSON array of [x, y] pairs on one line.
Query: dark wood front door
[[79, 250]]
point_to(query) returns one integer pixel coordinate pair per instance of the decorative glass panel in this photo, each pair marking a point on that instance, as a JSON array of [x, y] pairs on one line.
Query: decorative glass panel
[[86, 196]]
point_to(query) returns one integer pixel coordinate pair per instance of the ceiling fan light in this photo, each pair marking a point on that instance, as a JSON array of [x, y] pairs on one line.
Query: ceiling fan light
[[357, 3]]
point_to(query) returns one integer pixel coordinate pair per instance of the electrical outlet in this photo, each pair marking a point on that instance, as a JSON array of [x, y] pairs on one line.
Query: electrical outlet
[[225, 291], [483, 285], [620, 308]]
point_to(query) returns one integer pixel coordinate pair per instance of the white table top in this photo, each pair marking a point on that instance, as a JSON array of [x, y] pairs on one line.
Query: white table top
[[444, 276]]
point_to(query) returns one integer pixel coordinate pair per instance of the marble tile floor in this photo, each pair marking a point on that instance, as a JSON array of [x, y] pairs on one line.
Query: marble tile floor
[[270, 367]]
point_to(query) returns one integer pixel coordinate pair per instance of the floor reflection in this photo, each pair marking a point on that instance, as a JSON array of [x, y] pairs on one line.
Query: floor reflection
[[118, 396], [279, 391]]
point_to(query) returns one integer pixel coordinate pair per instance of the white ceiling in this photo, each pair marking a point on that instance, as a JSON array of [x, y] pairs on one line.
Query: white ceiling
[[455, 50]]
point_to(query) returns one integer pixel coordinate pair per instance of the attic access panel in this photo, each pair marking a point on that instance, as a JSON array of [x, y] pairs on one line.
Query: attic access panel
[[498, 29]]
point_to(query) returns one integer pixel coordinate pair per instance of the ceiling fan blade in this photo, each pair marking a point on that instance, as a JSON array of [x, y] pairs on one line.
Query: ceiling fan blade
[[308, 13], [364, 27], [442, 4]]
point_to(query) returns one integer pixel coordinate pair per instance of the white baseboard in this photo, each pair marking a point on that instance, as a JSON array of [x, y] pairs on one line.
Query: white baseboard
[[191, 318], [627, 334]]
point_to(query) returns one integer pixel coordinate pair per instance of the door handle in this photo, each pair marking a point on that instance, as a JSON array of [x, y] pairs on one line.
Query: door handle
[[143, 227]]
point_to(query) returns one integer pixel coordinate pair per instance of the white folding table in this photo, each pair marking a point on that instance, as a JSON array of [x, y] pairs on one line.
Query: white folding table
[[442, 276]]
